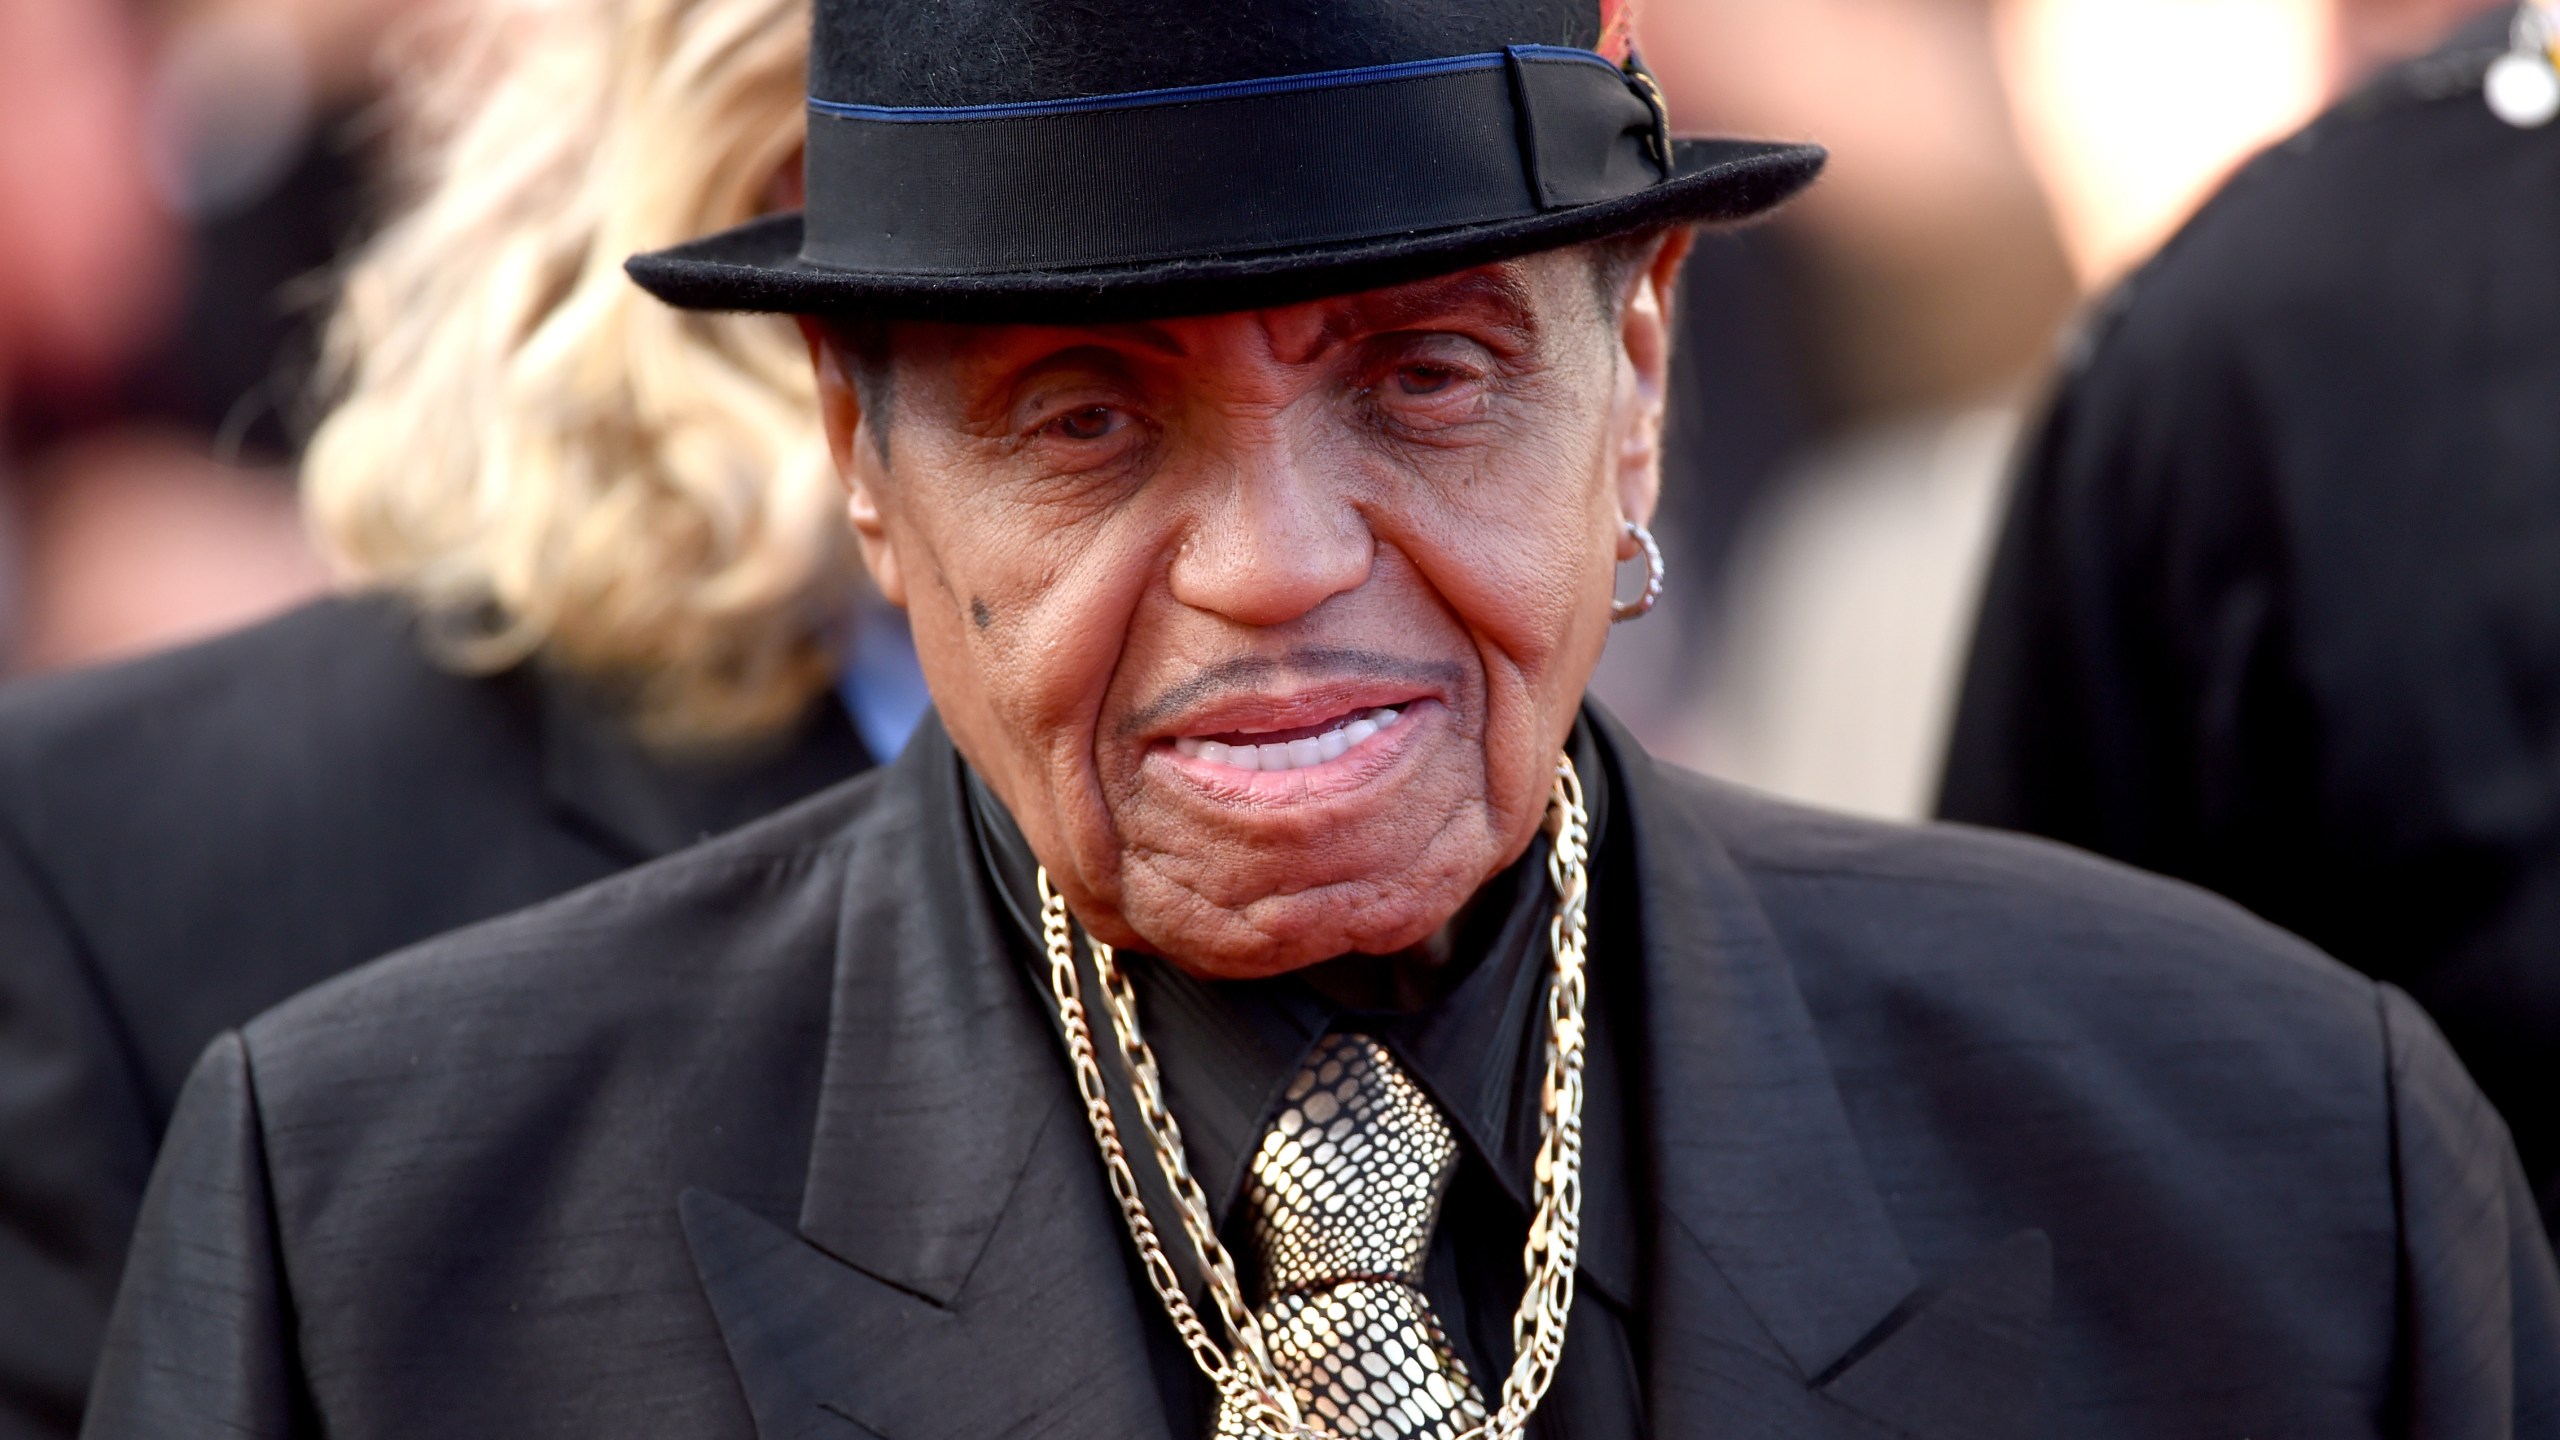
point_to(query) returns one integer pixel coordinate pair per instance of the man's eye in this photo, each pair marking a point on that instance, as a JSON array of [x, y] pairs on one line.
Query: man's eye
[[1425, 379], [1093, 422]]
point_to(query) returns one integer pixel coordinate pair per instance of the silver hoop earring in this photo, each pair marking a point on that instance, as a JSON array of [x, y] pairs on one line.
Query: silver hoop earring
[[1620, 610]]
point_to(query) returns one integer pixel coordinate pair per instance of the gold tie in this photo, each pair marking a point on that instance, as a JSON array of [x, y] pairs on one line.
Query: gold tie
[[1345, 1191]]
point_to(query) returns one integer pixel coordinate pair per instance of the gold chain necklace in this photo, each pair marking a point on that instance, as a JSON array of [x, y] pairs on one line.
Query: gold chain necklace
[[1245, 1374]]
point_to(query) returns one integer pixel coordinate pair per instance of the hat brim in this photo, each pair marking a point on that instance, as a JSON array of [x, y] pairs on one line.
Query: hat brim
[[757, 267]]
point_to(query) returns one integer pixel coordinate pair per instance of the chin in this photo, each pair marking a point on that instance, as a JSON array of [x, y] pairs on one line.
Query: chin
[[1234, 886], [1276, 934]]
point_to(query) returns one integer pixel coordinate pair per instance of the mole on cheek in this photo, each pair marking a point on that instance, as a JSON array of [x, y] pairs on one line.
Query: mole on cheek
[[979, 614]]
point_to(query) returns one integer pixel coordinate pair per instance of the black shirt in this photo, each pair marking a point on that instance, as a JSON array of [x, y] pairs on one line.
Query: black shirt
[[1228, 1050]]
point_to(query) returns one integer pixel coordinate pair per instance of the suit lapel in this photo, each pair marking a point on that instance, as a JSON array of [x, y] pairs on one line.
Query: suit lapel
[[956, 1268], [641, 805], [1027, 1346], [1959, 1361], [1783, 1301]]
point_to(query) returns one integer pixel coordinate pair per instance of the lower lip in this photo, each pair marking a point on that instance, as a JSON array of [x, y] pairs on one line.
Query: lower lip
[[1355, 768]]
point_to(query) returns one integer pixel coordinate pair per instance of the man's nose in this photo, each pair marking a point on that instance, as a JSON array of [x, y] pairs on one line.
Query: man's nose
[[1275, 544]]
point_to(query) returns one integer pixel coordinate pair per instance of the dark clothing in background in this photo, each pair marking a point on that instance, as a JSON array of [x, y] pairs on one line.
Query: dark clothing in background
[[186, 840], [1944, 1135], [2278, 607], [1476, 1044]]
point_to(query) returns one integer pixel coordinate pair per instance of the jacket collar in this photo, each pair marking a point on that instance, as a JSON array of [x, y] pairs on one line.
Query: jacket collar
[[955, 1269], [1783, 1301], [641, 806]]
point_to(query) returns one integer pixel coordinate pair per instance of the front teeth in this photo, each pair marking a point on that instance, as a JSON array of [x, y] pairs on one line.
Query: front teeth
[[1294, 754]]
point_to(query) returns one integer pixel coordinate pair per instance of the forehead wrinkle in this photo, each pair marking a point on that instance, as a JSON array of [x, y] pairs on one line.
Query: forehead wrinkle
[[1025, 347], [1145, 337]]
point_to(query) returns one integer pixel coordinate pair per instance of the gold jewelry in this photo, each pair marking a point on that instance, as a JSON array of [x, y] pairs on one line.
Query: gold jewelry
[[1244, 1375]]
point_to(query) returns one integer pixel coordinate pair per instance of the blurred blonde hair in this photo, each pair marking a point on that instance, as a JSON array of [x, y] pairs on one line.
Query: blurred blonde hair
[[543, 458]]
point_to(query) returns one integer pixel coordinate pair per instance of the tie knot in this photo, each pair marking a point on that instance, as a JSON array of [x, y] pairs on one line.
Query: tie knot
[[1348, 1181]]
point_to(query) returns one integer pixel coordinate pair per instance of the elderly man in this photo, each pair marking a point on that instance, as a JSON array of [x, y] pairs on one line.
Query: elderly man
[[1280, 1005]]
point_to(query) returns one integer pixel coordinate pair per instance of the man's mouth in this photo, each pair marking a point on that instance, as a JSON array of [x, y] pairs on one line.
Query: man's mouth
[[1297, 748]]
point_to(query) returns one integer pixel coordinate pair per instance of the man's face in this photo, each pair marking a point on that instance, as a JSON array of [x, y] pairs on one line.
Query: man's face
[[1267, 627]]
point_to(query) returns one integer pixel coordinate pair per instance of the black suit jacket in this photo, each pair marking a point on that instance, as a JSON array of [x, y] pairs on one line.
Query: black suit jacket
[[187, 840], [2278, 608], [1949, 1136]]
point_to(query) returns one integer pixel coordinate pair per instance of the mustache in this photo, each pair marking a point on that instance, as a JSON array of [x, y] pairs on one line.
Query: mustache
[[1308, 662]]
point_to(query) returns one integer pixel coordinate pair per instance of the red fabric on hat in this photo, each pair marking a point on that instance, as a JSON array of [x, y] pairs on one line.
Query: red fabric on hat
[[1617, 29]]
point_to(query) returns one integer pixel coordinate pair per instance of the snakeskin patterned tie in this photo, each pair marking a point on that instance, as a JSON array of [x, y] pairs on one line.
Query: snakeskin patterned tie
[[1345, 1191]]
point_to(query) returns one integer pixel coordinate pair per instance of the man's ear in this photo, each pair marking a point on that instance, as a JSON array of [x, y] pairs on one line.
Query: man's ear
[[860, 466], [1644, 346]]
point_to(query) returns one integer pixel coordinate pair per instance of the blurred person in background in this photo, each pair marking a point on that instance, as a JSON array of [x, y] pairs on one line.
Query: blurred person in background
[[2278, 605], [599, 595], [1919, 283], [1997, 159], [153, 500], [85, 254], [88, 259]]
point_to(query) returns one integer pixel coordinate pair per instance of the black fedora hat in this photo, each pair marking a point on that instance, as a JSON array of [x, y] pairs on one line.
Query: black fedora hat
[[1038, 160]]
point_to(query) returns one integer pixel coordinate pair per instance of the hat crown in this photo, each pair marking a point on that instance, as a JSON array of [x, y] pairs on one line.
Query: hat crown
[[983, 52], [1039, 161]]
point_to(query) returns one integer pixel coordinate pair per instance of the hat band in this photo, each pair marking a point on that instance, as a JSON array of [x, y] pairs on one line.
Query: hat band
[[1222, 170]]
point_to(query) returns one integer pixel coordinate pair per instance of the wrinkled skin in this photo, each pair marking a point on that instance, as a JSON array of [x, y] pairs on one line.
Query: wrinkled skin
[[1262, 523]]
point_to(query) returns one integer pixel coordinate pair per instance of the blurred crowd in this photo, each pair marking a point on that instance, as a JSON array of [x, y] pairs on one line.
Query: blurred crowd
[[177, 177], [1858, 372]]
